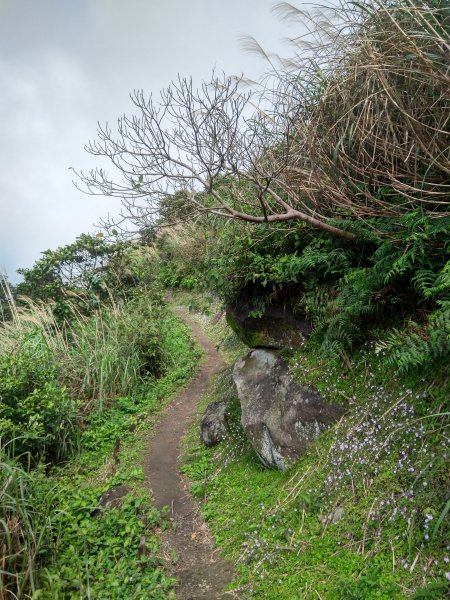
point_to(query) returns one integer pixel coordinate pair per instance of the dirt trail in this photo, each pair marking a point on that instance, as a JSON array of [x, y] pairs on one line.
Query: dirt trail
[[200, 571]]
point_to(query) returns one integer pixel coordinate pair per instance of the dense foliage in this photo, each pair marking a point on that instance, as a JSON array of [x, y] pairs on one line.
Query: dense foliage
[[393, 290], [37, 415], [79, 275]]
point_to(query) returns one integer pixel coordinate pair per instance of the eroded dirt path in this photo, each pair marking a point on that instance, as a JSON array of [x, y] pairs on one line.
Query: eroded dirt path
[[200, 571]]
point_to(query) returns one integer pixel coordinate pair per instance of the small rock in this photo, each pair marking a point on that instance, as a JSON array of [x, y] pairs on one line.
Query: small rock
[[334, 517], [214, 423], [112, 498]]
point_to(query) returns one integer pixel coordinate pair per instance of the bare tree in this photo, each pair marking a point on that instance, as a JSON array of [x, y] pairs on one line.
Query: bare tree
[[213, 149], [353, 127]]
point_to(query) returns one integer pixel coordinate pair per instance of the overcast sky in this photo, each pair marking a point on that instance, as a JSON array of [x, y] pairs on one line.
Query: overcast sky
[[66, 64]]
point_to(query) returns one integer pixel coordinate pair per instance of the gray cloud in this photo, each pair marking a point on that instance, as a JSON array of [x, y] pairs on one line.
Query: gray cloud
[[66, 65]]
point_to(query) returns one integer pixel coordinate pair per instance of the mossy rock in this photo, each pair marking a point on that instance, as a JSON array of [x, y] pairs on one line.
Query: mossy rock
[[278, 327], [280, 416]]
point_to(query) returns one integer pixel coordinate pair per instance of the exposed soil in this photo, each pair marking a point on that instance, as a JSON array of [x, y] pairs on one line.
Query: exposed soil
[[201, 573]]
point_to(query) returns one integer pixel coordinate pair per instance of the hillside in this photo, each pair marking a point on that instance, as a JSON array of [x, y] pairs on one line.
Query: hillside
[[303, 225]]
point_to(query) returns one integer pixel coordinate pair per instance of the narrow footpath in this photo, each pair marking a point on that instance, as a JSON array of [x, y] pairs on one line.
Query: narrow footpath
[[201, 573]]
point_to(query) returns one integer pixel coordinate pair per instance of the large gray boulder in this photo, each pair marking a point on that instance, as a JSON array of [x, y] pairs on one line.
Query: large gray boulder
[[276, 327], [280, 416], [214, 423]]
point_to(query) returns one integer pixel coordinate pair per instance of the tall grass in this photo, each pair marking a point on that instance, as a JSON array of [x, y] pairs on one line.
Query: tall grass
[[367, 97], [31, 316], [112, 350], [101, 355], [50, 375], [25, 523]]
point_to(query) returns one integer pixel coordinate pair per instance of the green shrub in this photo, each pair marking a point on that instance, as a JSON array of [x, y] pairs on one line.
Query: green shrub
[[142, 326], [393, 288], [26, 500], [36, 413]]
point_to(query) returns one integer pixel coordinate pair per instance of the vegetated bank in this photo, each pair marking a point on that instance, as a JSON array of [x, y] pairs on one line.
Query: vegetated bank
[[364, 514], [84, 373]]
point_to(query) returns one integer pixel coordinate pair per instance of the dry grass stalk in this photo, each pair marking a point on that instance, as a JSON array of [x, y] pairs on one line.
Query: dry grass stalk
[[371, 134]]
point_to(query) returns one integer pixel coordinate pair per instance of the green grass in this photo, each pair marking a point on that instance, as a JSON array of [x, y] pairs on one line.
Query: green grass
[[69, 550], [384, 464]]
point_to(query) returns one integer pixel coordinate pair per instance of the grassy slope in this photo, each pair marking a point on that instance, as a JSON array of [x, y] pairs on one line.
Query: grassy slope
[[113, 555], [384, 465]]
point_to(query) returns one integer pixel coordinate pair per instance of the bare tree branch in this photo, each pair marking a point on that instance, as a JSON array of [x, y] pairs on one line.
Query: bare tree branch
[[200, 140]]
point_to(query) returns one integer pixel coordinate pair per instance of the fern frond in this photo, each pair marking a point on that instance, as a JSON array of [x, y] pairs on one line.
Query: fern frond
[[417, 347]]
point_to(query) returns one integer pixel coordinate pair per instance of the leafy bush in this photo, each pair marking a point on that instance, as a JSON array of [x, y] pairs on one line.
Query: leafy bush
[[36, 413]]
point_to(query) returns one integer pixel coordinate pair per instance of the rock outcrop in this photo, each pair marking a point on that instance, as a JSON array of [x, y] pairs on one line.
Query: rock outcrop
[[277, 327], [214, 423], [280, 416]]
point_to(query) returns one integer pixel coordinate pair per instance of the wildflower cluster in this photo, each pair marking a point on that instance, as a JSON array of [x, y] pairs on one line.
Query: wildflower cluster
[[237, 444], [385, 450], [267, 541]]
